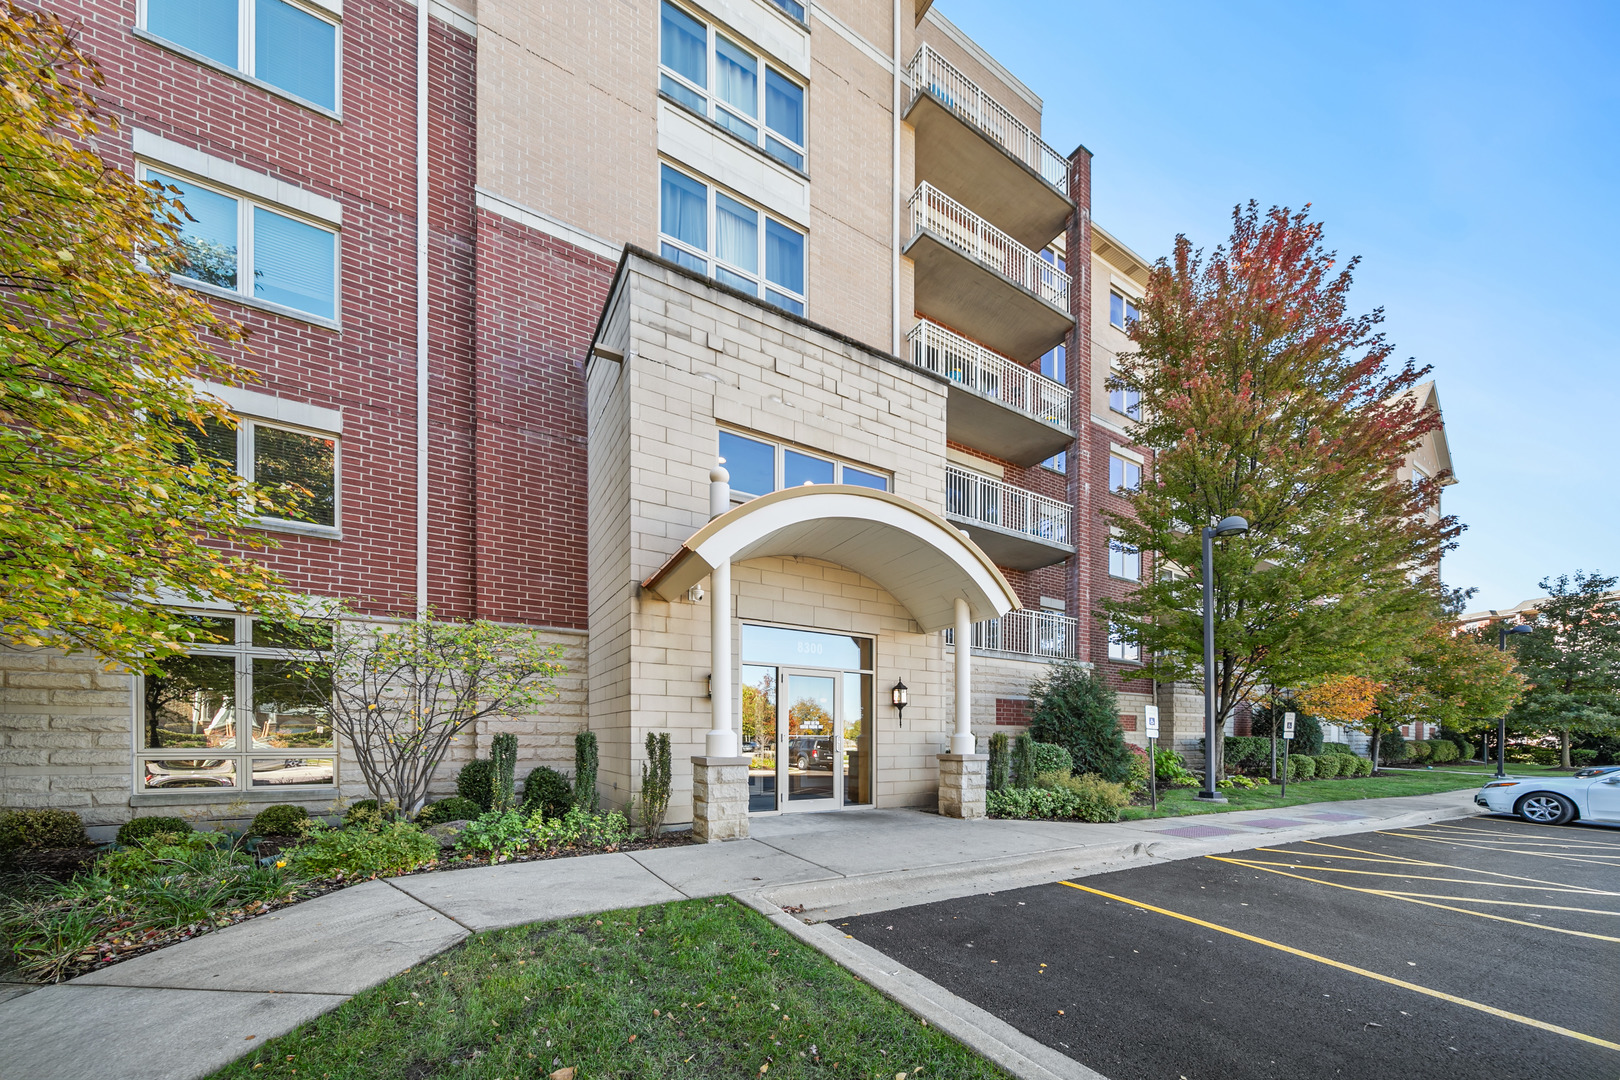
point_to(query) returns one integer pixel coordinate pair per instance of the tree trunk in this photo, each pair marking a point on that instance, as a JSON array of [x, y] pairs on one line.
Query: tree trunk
[[1563, 750], [1375, 740]]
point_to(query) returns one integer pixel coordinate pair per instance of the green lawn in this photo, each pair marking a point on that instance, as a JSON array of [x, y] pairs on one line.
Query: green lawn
[[699, 988], [1513, 769], [1180, 801]]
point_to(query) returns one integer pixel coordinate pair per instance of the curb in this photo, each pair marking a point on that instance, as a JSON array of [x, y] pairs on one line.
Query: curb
[[965, 1022]]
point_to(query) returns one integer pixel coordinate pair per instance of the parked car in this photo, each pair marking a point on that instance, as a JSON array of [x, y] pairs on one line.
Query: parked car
[[1589, 795], [811, 753]]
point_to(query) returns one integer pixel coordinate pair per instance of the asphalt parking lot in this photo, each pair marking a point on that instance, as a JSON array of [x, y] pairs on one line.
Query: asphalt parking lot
[[1480, 947]]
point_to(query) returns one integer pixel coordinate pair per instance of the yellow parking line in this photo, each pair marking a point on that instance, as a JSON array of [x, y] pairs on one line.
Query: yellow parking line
[[1388, 894], [1475, 846], [1402, 983], [1527, 831], [1449, 880], [1527, 839], [1469, 869]]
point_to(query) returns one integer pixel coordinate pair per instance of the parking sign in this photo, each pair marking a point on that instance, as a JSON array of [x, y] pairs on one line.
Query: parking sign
[[1151, 713], [1288, 725]]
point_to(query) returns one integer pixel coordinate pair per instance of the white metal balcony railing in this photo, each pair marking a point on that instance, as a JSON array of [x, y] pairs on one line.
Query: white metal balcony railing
[[971, 365], [981, 241], [933, 73], [1043, 634], [988, 501]]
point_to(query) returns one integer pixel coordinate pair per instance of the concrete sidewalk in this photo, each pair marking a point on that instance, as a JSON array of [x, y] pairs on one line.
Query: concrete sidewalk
[[185, 1011]]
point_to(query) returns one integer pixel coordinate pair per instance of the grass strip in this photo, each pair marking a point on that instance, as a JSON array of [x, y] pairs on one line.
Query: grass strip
[[693, 989], [1181, 802]]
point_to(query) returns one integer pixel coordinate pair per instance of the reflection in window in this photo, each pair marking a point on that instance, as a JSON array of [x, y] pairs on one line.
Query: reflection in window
[[294, 49], [305, 466], [758, 467]]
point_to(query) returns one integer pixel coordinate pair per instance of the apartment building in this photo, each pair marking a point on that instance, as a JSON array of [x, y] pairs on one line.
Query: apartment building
[[734, 345]]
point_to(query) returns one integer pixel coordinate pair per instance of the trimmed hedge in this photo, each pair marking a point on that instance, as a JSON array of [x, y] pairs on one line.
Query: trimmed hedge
[[1050, 757], [476, 781], [1328, 765], [1392, 748], [36, 830], [1442, 751], [1342, 749], [1301, 767], [548, 791], [282, 819], [1363, 766], [144, 828], [455, 808]]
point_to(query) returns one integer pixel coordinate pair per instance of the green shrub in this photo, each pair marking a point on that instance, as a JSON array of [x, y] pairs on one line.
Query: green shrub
[[1545, 755], [1391, 747], [1023, 760], [497, 835], [1442, 751], [1328, 765], [454, 808], [476, 781], [37, 830], [1000, 770], [1364, 766], [1171, 768], [282, 819], [1301, 767], [1248, 752], [1139, 769], [364, 812], [503, 766], [1307, 729], [143, 828], [656, 780], [1247, 783], [1418, 751], [1342, 749], [1582, 757], [546, 790], [1049, 757], [1073, 798], [585, 761], [387, 847], [1076, 709], [494, 836]]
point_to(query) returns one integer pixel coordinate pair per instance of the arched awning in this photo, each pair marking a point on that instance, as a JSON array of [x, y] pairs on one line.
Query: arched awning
[[924, 561]]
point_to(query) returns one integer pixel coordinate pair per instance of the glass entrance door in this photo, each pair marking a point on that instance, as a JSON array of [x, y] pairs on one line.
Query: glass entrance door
[[810, 754]]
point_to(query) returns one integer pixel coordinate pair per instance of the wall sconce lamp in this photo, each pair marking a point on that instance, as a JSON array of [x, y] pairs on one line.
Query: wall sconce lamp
[[901, 698]]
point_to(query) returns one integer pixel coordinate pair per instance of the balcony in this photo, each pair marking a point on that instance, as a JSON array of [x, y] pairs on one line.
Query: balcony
[[968, 144], [1026, 635], [978, 279], [1018, 529], [997, 406]]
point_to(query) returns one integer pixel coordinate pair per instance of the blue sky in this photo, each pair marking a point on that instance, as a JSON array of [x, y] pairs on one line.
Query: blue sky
[[1470, 153]]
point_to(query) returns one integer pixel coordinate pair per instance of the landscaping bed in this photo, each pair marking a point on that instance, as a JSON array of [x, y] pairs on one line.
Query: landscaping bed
[[680, 991]]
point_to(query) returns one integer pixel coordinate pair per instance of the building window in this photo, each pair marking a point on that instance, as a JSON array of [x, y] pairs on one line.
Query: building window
[[242, 710], [1121, 310], [696, 221], [1054, 365], [289, 46], [1128, 402], [1124, 561], [748, 98], [1123, 475], [1121, 647], [759, 467], [298, 468], [257, 251], [1058, 462], [792, 7], [1419, 477]]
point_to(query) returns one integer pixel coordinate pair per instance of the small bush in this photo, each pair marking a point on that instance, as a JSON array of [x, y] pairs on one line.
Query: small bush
[[1342, 749], [1307, 729], [1391, 747], [283, 819], [1545, 755], [1582, 757], [1072, 798], [656, 780], [585, 762], [1328, 765], [1364, 766], [1139, 769], [1301, 767], [143, 828], [37, 830], [454, 808], [476, 781], [1248, 752], [503, 763], [1442, 750], [1000, 770], [1023, 761], [1171, 768], [1049, 757], [1247, 783], [366, 813], [497, 835], [388, 847], [1418, 751], [547, 790]]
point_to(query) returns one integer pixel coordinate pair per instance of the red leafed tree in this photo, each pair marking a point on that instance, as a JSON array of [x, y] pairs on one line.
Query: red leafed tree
[[1264, 396]]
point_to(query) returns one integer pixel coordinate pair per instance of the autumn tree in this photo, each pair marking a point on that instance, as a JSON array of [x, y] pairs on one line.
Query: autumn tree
[[1454, 680], [108, 511], [1263, 396], [1571, 659]]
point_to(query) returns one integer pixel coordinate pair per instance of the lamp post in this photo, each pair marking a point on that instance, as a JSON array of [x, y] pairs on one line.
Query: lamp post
[[1501, 721], [1229, 526]]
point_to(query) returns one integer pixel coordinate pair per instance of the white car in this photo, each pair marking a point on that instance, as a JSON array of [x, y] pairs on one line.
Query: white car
[[1589, 795]]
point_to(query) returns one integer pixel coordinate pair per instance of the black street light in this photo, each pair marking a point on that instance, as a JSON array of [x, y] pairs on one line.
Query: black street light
[[1230, 526], [1501, 721]]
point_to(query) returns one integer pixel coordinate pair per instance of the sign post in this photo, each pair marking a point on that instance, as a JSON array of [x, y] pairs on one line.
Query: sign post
[[1288, 738], [1151, 714]]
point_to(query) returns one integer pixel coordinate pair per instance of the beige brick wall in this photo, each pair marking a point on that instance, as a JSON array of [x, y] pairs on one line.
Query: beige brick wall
[[64, 734]]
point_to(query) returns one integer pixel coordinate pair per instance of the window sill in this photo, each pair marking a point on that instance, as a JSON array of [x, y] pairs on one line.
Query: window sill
[[1129, 580], [240, 76], [253, 302], [757, 151], [298, 528], [229, 795]]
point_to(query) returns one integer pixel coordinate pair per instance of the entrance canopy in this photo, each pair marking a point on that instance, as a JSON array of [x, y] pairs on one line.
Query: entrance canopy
[[920, 558]]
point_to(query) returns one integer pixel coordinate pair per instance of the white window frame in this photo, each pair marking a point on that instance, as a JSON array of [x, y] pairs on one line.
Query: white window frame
[[246, 24], [711, 215], [1121, 650], [712, 102], [245, 205], [1124, 560], [243, 465], [1126, 464], [244, 652], [1128, 304], [779, 464], [1121, 401]]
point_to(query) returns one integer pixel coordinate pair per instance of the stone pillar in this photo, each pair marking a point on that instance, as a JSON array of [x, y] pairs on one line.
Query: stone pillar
[[720, 798], [962, 741], [961, 785]]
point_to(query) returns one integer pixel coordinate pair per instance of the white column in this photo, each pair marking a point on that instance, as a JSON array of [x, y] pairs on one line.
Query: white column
[[962, 738], [719, 491], [721, 740]]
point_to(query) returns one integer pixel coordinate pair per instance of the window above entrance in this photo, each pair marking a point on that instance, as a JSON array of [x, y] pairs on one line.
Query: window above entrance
[[805, 648], [759, 467]]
